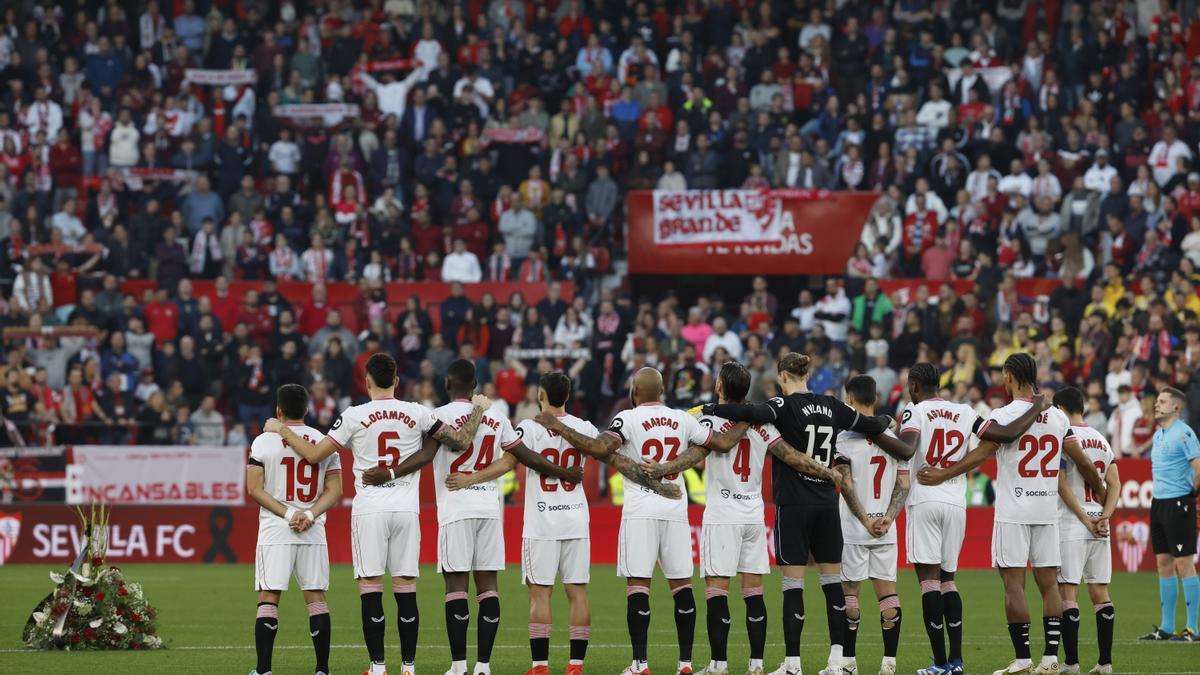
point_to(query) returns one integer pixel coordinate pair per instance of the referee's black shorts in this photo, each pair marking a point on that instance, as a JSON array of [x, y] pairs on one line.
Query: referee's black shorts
[[802, 532], [1172, 525]]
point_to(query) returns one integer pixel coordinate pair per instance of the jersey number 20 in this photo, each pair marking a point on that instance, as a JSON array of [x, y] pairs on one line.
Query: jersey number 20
[[569, 458]]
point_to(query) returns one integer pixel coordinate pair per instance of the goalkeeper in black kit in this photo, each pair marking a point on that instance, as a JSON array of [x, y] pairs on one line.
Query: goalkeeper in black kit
[[807, 521]]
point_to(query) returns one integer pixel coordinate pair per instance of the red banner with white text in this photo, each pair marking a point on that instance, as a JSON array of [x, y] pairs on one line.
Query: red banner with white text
[[750, 231], [193, 534]]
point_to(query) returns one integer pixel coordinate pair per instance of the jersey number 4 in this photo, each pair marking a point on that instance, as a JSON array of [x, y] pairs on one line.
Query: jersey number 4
[[741, 460], [1032, 446], [301, 479], [943, 446], [653, 448], [568, 459], [487, 452]]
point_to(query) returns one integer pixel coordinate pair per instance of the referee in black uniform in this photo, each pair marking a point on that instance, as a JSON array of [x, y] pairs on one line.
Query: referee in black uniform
[[807, 523]]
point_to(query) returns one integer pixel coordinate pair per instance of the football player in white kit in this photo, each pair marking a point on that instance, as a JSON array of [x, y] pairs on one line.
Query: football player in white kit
[[874, 487], [1026, 521], [733, 539], [294, 496], [556, 542], [653, 528], [1083, 526], [385, 529], [470, 524], [940, 431]]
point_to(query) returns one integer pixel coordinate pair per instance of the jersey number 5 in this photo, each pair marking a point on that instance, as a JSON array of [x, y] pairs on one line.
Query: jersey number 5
[[1031, 446], [301, 478], [652, 450], [487, 451]]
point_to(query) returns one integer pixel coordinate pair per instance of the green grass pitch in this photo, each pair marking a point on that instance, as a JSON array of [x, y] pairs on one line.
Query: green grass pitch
[[207, 612]]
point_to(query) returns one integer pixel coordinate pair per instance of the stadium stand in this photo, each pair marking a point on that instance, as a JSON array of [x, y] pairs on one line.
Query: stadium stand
[[200, 201]]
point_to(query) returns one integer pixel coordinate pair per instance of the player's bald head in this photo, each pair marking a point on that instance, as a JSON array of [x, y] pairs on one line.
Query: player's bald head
[[647, 385]]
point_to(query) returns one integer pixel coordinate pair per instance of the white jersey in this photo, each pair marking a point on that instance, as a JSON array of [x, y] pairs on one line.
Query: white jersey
[[654, 432], [494, 435], [733, 480], [384, 432], [945, 430], [293, 482], [1027, 469], [874, 473], [554, 509], [1100, 455]]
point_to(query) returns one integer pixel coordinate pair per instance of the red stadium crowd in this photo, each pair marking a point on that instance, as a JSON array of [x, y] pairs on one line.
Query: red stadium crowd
[[382, 141]]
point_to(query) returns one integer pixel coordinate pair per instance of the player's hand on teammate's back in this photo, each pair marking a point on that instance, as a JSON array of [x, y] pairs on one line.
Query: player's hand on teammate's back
[[575, 474], [931, 476], [458, 481], [480, 401], [1041, 402], [653, 469], [272, 426], [548, 419], [670, 491], [377, 475]]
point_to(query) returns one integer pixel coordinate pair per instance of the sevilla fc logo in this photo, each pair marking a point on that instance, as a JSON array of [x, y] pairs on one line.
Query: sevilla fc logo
[[1132, 539], [10, 530]]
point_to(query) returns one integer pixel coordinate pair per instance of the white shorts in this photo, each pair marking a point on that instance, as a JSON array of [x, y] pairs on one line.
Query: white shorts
[[274, 565], [934, 533], [727, 550], [643, 541], [1086, 560], [543, 560], [1018, 544], [869, 561], [385, 542], [471, 545]]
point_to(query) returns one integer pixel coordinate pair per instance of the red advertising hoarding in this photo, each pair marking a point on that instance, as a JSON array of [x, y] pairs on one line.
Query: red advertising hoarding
[[750, 231]]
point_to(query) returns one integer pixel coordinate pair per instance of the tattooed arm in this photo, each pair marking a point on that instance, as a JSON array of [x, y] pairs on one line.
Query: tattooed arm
[[851, 497], [801, 462], [637, 474], [461, 439], [899, 494], [684, 461], [601, 448]]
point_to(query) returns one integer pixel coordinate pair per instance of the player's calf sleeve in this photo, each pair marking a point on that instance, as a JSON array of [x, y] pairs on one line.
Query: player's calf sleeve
[[539, 643], [889, 622], [685, 619], [1191, 596], [1168, 594], [458, 618], [370, 597], [1019, 634], [1070, 632], [952, 612], [835, 607], [579, 636], [717, 620], [637, 616], [1106, 616], [266, 627], [793, 615], [489, 623], [756, 621], [1052, 627], [850, 638], [409, 620], [933, 614], [319, 630]]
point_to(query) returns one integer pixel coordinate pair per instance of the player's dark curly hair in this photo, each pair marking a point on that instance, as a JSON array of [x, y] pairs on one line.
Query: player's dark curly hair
[[925, 375], [1070, 400], [735, 381], [1023, 369], [557, 386]]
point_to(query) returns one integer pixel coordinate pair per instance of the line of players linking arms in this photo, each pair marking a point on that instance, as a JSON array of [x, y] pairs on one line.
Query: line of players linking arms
[[460, 440]]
